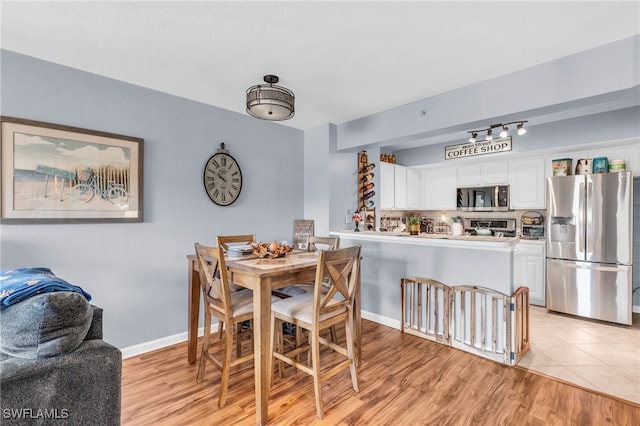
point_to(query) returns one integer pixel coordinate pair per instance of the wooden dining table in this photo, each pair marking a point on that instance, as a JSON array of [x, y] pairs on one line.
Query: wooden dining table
[[262, 276]]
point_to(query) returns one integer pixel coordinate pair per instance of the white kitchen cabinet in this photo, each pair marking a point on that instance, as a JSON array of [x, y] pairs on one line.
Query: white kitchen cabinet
[[527, 180], [414, 199], [394, 186], [530, 271], [400, 187], [439, 189], [387, 185], [481, 174]]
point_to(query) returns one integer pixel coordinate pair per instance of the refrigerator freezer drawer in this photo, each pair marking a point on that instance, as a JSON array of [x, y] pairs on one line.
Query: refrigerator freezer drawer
[[589, 290]]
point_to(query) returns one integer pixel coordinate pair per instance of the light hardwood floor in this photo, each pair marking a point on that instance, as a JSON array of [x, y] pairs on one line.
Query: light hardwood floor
[[404, 380]]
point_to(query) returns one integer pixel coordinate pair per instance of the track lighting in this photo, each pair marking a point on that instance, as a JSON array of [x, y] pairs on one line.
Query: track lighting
[[503, 134]]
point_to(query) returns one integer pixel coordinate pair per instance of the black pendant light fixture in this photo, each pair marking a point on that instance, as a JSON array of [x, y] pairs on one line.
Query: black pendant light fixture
[[270, 102]]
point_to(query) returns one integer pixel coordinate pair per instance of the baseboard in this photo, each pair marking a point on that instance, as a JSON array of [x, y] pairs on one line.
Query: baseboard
[[152, 345]]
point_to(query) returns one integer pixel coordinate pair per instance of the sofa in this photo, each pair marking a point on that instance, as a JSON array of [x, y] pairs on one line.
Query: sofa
[[55, 369]]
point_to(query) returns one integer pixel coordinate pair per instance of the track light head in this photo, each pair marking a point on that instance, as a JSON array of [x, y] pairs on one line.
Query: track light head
[[473, 137], [489, 135], [505, 132], [521, 129]]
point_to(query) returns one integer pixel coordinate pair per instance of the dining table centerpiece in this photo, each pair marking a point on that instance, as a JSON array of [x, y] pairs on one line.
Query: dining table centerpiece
[[271, 250]]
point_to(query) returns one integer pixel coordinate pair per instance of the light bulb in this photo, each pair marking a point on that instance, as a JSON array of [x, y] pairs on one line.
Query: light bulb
[[505, 132], [521, 129], [489, 135]]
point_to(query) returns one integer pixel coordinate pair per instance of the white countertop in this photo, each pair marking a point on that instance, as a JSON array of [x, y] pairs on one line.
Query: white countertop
[[442, 240]]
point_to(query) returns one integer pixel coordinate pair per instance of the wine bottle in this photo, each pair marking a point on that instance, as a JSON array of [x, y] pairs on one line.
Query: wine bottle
[[366, 187], [366, 177], [368, 195], [367, 168]]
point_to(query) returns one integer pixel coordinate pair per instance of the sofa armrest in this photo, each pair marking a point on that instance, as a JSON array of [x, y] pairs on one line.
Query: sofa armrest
[[95, 329], [82, 387]]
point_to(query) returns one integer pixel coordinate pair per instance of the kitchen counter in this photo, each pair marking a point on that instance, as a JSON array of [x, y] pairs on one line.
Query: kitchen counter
[[441, 240], [483, 261]]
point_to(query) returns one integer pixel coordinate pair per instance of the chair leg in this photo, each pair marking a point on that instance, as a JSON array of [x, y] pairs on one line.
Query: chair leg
[[272, 348], [226, 366], [238, 330], [220, 329], [349, 327], [205, 348], [334, 335], [314, 336]]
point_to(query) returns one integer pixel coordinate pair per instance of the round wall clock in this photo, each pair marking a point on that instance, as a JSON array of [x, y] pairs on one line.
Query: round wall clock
[[222, 177]]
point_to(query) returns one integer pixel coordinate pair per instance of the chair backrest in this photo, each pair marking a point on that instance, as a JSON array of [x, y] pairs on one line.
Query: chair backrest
[[342, 268], [224, 240], [325, 243], [214, 280]]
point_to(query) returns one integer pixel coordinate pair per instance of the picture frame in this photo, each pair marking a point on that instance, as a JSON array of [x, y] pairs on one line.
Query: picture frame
[[53, 173], [302, 229]]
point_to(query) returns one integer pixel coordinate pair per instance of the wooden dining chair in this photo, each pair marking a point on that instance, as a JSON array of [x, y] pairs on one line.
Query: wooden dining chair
[[314, 243], [225, 241], [231, 308], [318, 311]]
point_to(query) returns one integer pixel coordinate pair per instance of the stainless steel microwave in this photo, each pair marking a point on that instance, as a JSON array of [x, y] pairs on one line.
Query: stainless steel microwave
[[484, 198]]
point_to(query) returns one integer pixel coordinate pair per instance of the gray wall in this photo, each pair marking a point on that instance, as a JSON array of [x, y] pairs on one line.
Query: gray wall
[[137, 272]]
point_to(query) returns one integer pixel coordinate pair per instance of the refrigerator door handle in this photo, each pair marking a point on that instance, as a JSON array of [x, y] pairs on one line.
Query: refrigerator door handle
[[588, 239], [582, 225]]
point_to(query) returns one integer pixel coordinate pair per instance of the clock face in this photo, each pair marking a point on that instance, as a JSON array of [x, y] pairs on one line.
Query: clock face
[[222, 179]]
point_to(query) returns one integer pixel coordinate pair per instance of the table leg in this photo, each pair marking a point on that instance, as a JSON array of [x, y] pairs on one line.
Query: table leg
[[262, 334], [194, 312]]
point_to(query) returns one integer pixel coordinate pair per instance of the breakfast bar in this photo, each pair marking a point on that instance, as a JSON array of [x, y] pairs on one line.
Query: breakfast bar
[[480, 307]]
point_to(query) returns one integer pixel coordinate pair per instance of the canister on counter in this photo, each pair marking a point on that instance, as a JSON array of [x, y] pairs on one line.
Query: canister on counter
[[617, 165], [600, 165], [561, 167]]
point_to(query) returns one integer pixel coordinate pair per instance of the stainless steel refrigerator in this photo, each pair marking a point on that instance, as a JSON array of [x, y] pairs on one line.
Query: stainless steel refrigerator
[[589, 245]]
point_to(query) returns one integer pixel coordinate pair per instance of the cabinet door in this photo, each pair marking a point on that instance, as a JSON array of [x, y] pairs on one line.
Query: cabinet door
[[439, 189], [387, 185], [530, 271], [400, 187], [494, 173], [527, 184], [413, 189], [468, 175]]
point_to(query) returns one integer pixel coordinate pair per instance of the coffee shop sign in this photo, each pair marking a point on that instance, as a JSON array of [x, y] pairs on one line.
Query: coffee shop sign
[[477, 148]]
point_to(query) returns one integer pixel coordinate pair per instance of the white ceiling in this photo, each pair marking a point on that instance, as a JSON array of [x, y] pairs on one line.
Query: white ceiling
[[343, 60]]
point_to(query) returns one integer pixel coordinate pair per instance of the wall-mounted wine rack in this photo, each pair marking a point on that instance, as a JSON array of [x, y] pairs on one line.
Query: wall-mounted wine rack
[[366, 205]]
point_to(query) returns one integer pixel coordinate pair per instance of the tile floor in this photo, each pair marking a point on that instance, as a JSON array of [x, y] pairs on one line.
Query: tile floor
[[592, 354]]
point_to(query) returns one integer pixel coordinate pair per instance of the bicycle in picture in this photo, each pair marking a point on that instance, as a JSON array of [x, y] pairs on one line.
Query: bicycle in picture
[[87, 189]]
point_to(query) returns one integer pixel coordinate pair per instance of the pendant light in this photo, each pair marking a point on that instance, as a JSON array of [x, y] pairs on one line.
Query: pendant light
[[270, 102]]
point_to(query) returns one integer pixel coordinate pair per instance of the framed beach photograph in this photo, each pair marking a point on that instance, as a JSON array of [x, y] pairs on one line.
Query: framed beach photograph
[[52, 173]]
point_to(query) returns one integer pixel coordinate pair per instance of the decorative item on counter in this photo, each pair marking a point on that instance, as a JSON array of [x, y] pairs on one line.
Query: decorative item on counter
[[456, 225], [600, 165], [271, 250], [561, 167], [413, 223], [584, 166], [357, 218], [617, 165]]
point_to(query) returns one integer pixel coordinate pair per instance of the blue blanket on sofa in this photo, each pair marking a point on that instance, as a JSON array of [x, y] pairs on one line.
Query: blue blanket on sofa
[[19, 284]]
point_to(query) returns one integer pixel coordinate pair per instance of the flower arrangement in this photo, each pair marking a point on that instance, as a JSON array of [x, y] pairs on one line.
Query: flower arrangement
[[357, 218]]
